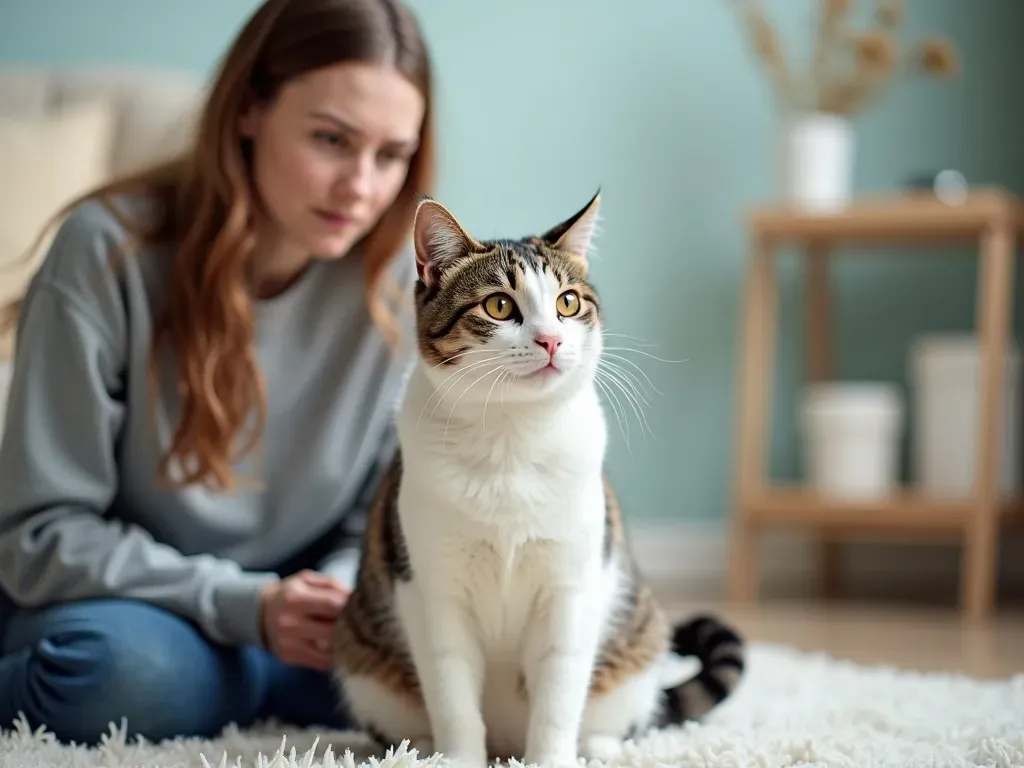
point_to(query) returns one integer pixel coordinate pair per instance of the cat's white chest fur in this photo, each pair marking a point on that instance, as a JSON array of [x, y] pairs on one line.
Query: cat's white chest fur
[[506, 523], [507, 476]]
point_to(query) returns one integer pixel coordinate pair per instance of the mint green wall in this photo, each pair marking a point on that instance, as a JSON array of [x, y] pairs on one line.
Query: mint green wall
[[662, 106]]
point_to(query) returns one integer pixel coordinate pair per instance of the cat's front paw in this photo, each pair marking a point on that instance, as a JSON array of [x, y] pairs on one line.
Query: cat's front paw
[[566, 758], [463, 756], [601, 747]]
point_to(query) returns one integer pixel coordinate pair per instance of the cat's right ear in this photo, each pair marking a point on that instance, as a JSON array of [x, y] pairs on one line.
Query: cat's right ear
[[440, 241]]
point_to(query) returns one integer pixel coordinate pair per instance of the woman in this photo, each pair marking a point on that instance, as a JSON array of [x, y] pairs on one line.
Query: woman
[[205, 368]]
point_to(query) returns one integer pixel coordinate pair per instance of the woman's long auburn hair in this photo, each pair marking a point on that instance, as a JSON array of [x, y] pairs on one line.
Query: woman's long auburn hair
[[207, 198]]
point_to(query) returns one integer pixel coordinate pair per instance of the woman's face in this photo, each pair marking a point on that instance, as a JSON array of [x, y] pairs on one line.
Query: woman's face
[[331, 152]]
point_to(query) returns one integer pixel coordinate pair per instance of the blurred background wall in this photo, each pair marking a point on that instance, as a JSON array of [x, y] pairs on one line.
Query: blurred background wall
[[663, 106]]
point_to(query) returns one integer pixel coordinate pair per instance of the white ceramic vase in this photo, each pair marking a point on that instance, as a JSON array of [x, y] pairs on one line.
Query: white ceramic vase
[[817, 161]]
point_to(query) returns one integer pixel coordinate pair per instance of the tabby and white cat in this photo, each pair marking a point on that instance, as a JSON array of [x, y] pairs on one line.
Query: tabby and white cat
[[497, 610]]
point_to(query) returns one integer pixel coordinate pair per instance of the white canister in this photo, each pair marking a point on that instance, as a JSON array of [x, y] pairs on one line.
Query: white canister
[[852, 433], [945, 374], [817, 162]]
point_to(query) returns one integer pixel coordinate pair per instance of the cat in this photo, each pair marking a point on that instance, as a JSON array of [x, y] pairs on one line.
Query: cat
[[498, 611]]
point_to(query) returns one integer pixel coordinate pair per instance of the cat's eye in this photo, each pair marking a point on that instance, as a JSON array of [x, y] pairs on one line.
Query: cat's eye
[[568, 304], [499, 306]]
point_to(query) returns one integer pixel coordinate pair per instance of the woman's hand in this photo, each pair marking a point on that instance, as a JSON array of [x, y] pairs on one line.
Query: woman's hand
[[297, 615]]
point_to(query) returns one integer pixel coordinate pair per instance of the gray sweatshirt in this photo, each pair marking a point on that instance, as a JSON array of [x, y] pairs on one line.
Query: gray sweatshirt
[[82, 511]]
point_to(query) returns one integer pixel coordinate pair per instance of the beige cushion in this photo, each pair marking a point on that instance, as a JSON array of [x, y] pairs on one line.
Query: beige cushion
[[47, 160], [156, 109]]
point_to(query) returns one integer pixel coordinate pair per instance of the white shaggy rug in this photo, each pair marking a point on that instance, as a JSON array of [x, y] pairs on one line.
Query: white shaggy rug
[[794, 709]]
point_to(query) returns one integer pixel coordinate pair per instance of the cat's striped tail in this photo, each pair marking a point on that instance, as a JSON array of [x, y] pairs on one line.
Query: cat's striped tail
[[721, 654]]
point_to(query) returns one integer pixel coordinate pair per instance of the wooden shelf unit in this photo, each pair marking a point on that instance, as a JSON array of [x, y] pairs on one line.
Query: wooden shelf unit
[[991, 218]]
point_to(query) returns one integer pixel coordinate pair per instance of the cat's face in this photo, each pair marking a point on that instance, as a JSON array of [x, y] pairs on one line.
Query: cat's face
[[509, 320]]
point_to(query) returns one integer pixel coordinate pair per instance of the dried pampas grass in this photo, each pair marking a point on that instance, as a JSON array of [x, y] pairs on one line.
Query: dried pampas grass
[[850, 68]]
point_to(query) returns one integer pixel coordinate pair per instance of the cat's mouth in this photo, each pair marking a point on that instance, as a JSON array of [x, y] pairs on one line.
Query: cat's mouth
[[545, 372]]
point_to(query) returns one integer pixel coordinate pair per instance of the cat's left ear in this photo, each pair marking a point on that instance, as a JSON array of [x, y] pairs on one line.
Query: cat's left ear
[[575, 235], [440, 241]]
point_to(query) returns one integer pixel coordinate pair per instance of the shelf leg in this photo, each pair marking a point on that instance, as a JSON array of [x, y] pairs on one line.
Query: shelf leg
[[994, 313], [756, 370], [820, 367]]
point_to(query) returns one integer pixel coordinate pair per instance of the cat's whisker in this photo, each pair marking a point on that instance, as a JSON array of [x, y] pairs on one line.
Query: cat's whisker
[[627, 378], [641, 352], [615, 405], [635, 384], [641, 416], [493, 356], [613, 380], [602, 378], [456, 356], [642, 372], [455, 405], [437, 389], [469, 369], [508, 383], [624, 385], [460, 373], [639, 339], [487, 401]]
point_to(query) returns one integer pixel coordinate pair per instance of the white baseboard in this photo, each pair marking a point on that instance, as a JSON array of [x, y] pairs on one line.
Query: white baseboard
[[693, 556]]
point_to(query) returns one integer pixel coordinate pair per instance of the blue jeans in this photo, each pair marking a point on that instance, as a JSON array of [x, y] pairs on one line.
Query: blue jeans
[[76, 667]]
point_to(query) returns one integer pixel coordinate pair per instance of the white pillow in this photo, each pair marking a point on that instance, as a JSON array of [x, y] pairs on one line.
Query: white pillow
[[45, 161]]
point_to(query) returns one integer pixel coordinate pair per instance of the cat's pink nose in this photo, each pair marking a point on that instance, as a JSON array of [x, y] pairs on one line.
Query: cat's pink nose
[[550, 343]]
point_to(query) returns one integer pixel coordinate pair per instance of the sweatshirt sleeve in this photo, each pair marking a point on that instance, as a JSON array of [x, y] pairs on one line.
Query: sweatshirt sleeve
[[59, 471], [343, 561]]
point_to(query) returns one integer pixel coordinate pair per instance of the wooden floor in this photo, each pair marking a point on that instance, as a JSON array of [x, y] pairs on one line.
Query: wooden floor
[[922, 637]]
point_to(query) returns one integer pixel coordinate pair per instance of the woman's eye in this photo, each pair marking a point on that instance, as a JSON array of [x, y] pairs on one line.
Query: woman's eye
[[389, 156], [334, 140]]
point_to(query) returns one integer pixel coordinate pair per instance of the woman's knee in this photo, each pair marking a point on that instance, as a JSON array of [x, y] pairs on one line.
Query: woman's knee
[[94, 664]]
